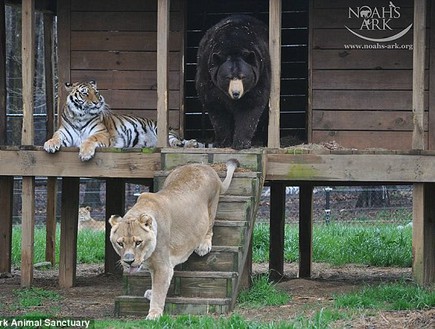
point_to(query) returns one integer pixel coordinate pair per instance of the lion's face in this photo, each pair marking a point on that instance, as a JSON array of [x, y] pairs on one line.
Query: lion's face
[[134, 239]]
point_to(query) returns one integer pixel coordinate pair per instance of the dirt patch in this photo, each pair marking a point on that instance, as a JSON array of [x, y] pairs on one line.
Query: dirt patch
[[93, 296]]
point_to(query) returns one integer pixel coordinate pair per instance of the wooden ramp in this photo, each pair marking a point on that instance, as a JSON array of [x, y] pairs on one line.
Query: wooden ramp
[[208, 284]]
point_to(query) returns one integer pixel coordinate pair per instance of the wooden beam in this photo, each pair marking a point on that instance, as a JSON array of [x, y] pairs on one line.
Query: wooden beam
[[115, 205], [431, 101], [162, 71], [27, 138], [28, 69], [40, 163], [275, 59], [6, 204], [355, 168], [64, 51], [418, 73], [68, 232], [3, 91], [305, 230], [49, 82], [277, 224], [50, 223], [27, 230], [423, 234]]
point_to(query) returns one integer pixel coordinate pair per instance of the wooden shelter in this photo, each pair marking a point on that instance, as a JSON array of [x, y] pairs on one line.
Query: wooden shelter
[[377, 102]]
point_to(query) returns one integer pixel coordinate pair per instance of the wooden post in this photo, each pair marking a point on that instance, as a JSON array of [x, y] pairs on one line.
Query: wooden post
[[423, 236], [68, 231], [162, 71], [27, 138], [115, 205], [3, 91], [50, 245], [418, 68], [305, 230], [275, 59], [50, 225], [6, 204], [277, 225]]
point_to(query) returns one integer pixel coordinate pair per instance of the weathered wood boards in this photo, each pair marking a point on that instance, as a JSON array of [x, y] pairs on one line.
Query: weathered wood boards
[[122, 50], [362, 89]]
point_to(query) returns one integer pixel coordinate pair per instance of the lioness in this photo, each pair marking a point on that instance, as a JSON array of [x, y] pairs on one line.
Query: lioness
[[163, 229]]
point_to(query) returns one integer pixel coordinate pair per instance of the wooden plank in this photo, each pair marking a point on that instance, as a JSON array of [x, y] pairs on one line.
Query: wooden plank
[[329, 18], [364, 79], [139, 99], [6, 204], [354, 168], [418, 96], [305, 230], [345, 3], [68, 231], [3, 91], [120, 60], [368, 59], [392, 140], [162, 71], [27, 230], [363, 100], [277, 224], [275, 59], [121, 41], [50, 224], [423, 234], [28, 69], [119, 164], [364, 120], [121, 21], [182, 76], [129, 80], [342, 39], [116, 5], [115, 205]]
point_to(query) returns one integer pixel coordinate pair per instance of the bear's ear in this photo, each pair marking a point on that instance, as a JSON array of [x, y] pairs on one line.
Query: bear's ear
[[249, 57], [217, 59]]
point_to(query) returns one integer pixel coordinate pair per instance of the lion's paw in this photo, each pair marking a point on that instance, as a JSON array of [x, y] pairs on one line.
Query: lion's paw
[[204, 248], [148, 294], [154, 314]]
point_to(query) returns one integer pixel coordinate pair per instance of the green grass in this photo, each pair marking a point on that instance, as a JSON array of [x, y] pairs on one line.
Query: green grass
[[90, 246], [30, 297], [388, 296], [339, 244], [262, 293]]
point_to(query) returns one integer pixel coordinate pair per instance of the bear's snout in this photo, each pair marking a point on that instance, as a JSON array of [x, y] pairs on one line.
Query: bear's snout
[[235, 89]]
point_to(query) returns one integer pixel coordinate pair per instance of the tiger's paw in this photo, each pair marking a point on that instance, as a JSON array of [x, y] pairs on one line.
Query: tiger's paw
[[86, 153], [51, 146]]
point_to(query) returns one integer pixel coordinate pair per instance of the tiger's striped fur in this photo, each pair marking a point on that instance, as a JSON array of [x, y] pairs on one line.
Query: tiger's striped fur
[[88, 123]]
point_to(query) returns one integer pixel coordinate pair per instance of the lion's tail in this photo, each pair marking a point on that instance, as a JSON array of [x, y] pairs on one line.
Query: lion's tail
[[232, 164]]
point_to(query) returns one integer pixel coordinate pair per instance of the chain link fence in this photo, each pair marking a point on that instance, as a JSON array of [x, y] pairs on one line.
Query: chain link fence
[[365, 204]]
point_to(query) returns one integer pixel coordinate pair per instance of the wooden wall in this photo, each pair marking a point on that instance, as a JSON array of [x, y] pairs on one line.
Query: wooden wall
[[361, 97], [115, 43]]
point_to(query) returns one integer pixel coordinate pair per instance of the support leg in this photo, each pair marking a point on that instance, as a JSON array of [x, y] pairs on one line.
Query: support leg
[[6, 197], [68, 231], [28, 230], [305, 230], [115, 204], [423, 234], [50, 237], [277, 223]]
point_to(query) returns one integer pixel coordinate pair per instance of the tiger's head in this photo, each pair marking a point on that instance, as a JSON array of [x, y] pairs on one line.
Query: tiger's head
[[84, 98]]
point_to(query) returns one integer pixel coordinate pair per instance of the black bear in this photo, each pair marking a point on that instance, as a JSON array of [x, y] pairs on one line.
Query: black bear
[[233, 78]]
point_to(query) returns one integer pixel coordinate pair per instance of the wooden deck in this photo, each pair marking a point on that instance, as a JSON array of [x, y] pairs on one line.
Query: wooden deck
[[283, 167]]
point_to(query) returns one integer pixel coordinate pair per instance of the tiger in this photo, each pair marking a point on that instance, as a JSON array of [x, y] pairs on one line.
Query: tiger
[[87, 122]]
